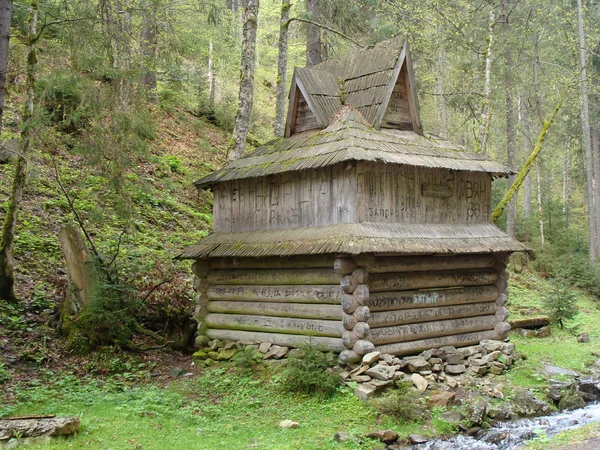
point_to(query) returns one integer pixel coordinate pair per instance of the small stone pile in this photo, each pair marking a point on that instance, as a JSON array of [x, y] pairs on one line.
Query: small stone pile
[[442, 365], [212, 351]]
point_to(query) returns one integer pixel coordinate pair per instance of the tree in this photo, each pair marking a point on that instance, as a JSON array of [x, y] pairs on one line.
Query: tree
[[282, 67], [7, 279], [246, 96], [149, 48], [6, 7], [314, 46]]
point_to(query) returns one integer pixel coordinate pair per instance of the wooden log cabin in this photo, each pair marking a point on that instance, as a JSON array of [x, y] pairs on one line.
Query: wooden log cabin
[[355, 231]]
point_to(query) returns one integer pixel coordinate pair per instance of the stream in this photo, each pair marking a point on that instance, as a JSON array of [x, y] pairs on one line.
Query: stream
[[510, 435]]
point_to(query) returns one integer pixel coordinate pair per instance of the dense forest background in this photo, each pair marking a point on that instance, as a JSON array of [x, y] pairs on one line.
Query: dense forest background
[[126, 102]]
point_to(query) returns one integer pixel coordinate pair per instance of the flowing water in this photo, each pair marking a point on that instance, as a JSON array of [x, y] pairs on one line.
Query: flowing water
[[509, 435]]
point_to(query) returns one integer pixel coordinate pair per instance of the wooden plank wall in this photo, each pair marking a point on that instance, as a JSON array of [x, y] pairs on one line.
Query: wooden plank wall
[[298, 199], [459, 304], [407, 194], [255, 299], [397, 115]]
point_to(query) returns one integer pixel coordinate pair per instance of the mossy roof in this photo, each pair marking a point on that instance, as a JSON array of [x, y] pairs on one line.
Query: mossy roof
[[350, 137]]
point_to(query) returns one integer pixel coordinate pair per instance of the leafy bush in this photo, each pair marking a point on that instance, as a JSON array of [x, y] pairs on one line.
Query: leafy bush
[[403, 403], [246, 359], [4, 375], [309, 371], [561, 304]]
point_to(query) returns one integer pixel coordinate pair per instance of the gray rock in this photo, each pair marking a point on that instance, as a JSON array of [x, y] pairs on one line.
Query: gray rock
[[455, 358], [499, 413], [264, 347], [176, 371], [455, 369], [426, 354], [288, 424], [417, 364], [437, 367], [381, 384], [388, 359], [419, 382], [454, 417], [381, 372], [398, 376], [360, 378], [477, 413], [365, 391], [441, 399], [341, 436], [447, 350], [416, 439], [435, 361], [490, 345], [479, 370], [201, 341], [276, 352], [371, 358], [479, 361], [452, 382], [386, 436], [583, 337], [493, 356], [215, 344], [508, 348], [554, 370]]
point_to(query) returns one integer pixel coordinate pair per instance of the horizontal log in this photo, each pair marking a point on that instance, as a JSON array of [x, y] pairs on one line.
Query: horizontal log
[[298, 310], [530, 322], [201, 285], [274, 276], [296, 294], [349, 356], [393, 300], [362, 314], [274, 262], [456, 340], [362, 347], [501, 313], [344, 265], [438, 279], [383, 264], [349, 321], [200, 269], [361, 293], [406, 316], [412, 332], [360, 275], [502, 299], [501, 284], [349, 338], [348, 284], [349, 303], [502, 329], [362, 329], [312, 327], [285, 340]]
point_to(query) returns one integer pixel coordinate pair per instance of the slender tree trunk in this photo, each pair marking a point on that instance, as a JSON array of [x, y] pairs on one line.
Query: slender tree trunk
[[123, 51], [282, 67], [524, 119], [566, 194], [7, 279], [211, 77], [587, 138], [246, 97], [6, 7], [149, 49], [314, 46], [443, 107], [486, 111], [596, 158], [539, 201], [511, 142]]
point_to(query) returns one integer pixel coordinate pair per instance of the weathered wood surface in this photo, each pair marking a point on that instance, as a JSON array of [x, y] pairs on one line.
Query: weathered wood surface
[[36, 427], [362, 330], [348, 284], [391, 193], [274, 262], [349, 356], [329, 294], [274, 276], [349, 338], [458, 340], [393, 300], [406, 316], [530, 322], [401, 333], [383, 264], [362, 347], [422, 280], [275, 324], [200, 269], [286, 340], [297, 310], [361, 275], [344, 265]]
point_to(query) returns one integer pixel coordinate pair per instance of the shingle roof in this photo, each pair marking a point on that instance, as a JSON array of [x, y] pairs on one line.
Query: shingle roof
[[350, 138], [354, 239]]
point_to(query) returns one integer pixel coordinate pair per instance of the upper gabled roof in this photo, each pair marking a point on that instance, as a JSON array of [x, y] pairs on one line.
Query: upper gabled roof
[[350, 137], [366, 80]]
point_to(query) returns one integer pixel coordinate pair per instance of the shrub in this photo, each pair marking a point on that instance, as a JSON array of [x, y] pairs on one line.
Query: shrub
[[561, 303], [247, 358], [309, 371], [403, 403]]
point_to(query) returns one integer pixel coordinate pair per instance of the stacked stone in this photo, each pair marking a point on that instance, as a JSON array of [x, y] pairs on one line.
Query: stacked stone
[[355, 337], [200, 270], [215, 350], [503, 327], [437, 366]]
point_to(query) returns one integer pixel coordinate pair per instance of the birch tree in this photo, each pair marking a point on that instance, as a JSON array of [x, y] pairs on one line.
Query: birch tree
[[246, 96]]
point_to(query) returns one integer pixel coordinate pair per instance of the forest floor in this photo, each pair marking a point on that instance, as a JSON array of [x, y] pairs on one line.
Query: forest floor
[[157, 400]]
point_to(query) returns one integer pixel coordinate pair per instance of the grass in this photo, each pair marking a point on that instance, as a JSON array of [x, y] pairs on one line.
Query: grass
[[217, 409]]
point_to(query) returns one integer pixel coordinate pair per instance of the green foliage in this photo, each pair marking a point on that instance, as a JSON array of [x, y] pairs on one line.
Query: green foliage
[[247, 358], [4, 375], [561, 304], [403, 403], [310, 371]]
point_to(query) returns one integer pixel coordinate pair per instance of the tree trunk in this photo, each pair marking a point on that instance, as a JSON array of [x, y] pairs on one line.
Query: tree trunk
[[149, 48], [443, 107], [6, 7], [7, 280], [211, 77], [487, 96], [587, 138], [566, 194], [123, 52], [282, 68], [539, 200], [596, 159], [511, 143], [246, 97], [314, 53]]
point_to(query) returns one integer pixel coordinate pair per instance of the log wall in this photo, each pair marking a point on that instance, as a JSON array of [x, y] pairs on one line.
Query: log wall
[[422, 302], [285, 301]]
